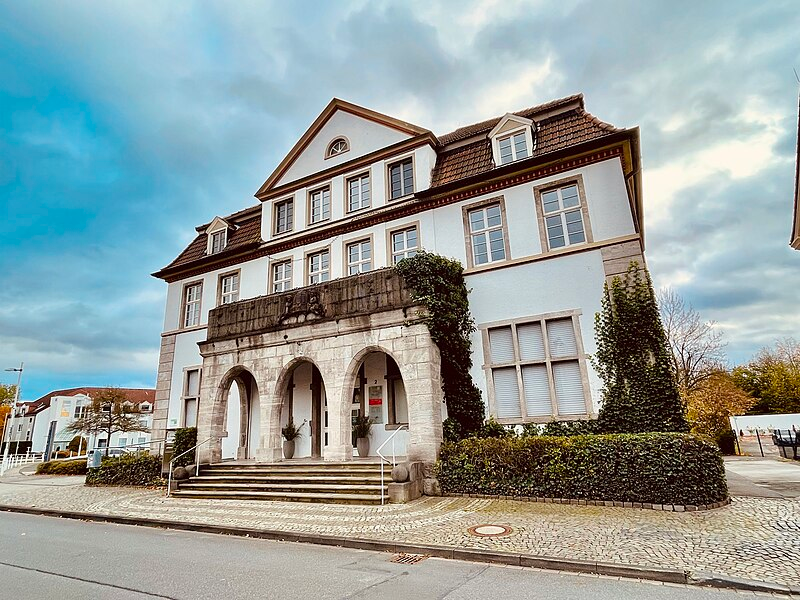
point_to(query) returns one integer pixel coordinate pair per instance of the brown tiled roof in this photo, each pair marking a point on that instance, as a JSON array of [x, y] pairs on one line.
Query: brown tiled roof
[[134, 395], [553, 133], [247, 232]]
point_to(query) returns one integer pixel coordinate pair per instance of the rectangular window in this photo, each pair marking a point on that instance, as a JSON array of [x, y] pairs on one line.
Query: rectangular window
[[191, 396], [282, 276], [358, 192], [320, 205], [563, 217], [217, 241], [191, 304], [536, 370], [401, 179], [359, 257], [405, 244], [319, 267], [229, 288], [486, 234], [123, 442], [284, 216], [513, 147]]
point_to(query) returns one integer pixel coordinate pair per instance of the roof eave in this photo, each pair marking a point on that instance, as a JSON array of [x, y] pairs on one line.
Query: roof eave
[[220, 257]]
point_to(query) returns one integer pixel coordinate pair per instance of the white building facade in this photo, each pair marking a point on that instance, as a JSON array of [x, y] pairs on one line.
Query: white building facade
[[540, 206]]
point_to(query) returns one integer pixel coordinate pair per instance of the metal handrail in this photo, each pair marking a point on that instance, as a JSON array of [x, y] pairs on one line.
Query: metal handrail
[[174, 458], [394, 456]]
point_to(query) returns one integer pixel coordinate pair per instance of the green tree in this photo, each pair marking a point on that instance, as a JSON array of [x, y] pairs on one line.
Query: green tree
[[7, 393], [109, 412], [634, 360], [773, 378]]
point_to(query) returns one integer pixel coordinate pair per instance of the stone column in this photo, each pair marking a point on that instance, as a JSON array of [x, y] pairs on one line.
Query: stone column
[[163, 387], [270, 443], [340, 445], [210, 415], [424, 396]]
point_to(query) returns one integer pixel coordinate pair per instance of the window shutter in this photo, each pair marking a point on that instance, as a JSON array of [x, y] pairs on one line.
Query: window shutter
[[506, 393], [501, 344], [531, 342], [561, 338], [537, 391], [569, 388]]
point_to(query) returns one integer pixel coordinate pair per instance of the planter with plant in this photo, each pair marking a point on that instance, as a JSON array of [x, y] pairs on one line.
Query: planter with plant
[[362, 427], [290, 434]]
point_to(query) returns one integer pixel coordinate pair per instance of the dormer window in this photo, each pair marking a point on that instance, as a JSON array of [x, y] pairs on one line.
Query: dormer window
[[512, 139], [338, 146], [217, 242]]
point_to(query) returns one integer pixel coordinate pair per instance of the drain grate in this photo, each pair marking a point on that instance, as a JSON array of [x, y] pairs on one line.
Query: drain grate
[[408, 559]]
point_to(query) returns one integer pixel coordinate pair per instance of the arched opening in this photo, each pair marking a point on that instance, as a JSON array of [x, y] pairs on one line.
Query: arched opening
[[238, 413], [378, 392], [304, 401]]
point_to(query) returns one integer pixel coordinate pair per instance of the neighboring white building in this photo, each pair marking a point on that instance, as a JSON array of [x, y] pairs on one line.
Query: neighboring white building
[[541, 206], [44, 422]]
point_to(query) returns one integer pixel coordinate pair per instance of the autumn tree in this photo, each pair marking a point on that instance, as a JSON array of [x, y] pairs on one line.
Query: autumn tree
[[696, 345], [110, 412], [773, 378], [7, 395], [713, 401], [633, 358]]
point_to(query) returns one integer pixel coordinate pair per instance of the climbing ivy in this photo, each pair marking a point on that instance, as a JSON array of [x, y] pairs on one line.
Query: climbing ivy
[[633, 360], [438, 283]]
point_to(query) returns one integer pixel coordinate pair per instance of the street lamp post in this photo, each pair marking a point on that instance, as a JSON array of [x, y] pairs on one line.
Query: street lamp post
[[10, 428]]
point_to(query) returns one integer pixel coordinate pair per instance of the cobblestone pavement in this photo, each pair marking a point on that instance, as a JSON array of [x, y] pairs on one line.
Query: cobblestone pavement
[[753, 538]]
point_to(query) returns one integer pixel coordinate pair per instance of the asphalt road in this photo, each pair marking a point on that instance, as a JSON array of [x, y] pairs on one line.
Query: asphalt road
[[46, 557]]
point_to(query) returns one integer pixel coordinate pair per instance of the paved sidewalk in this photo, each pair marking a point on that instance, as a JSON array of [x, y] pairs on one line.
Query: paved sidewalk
[[753, 538]]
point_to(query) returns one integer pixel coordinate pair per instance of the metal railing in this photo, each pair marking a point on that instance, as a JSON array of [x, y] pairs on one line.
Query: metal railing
[[197, 462], [15, 460], [385, 460]]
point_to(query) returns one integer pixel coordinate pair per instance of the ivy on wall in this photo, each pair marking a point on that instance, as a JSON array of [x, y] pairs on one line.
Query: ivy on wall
[[633, 360], [438, 283]]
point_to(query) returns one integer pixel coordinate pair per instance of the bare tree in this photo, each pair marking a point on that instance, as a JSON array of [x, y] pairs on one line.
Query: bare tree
[[697, 346], [110, 412]]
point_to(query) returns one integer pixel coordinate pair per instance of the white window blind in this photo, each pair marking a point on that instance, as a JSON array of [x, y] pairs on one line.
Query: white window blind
[[561, 338], [192, 382], [531, 342], [537, 390], [506, 393], [569, 388], [502, 345]]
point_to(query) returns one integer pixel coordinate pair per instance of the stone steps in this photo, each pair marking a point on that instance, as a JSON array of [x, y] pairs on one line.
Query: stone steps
[[350, 483]]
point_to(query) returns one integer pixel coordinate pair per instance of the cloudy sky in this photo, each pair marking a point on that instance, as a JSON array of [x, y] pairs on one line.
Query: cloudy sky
[[125, 124]]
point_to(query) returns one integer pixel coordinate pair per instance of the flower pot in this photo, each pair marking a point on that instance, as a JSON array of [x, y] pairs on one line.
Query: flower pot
[[288, 449], [363, 447]]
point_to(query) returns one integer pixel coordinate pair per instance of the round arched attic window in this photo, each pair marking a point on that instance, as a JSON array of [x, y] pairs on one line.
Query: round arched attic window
[[337, 146]]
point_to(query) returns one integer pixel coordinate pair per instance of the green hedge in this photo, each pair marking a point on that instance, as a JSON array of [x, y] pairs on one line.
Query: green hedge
[[139, 469], [657, 468], [185, 439], [62, 467]]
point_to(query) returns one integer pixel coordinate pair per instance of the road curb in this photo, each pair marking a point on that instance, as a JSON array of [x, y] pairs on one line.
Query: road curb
[[699, 578]]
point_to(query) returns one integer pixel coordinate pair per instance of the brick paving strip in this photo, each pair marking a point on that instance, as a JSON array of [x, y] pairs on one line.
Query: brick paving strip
[[751, 544]]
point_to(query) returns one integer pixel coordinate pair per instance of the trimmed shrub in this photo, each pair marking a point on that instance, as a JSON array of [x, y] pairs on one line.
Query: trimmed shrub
[[566, 428], [493, 429], [657, 468], [185, 438], [726, 440], [62, 467], [139, 469]]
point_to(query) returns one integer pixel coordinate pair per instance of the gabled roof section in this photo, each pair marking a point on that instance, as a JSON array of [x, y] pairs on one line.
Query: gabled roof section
[[795, 241], [134, 395], [333, 106], [244, 233], [515, 121], [217, 224]]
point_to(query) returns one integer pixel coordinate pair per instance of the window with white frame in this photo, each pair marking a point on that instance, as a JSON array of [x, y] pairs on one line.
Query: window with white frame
[[191, 396], [191, 304], [513, 147], [336, 147], [405, 243], [401, 179], [486, 234], [359, 257], [358, 192], [320, 205], [123, 442], [217, 241], [563, 216], [229, 288], [282, 276], [319, 268], [284, 216], [537, 370]]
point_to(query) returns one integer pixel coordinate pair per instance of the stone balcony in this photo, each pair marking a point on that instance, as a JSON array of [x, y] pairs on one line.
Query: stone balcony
[[353, 296]]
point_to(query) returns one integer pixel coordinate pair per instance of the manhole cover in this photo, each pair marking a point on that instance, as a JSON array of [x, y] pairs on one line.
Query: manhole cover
[[490, 530], [408, 559]]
